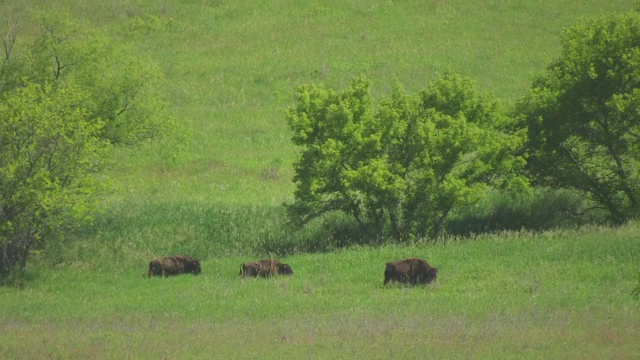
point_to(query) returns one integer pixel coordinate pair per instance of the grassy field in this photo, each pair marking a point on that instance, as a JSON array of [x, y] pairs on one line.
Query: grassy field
[[558, 295], [231, 70]]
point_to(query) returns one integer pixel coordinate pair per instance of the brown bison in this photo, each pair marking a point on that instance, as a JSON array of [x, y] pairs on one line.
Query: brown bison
[[265, 268], [174, 265], [410, 271]]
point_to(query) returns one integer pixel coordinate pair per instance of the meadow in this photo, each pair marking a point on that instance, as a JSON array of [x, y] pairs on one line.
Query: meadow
[[556, 295], [231, 71]]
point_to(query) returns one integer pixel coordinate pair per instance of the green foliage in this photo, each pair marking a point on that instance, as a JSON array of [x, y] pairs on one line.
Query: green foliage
[[123, 87], [49, 154], [404, 165], [463, 149], [65, 96], [583, 115], [540, 210]]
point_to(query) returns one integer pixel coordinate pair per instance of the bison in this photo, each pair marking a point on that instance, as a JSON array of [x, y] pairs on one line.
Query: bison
[[410, 271], [265, 268], [174, 265]]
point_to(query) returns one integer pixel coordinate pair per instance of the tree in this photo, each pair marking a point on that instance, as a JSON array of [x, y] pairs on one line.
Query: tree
[[583, 115], [123, 86], [65, 99], [49, 155], [405, 165]]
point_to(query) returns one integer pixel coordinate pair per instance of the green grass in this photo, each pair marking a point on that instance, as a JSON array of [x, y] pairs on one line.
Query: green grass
[[231, 71], [232, 68], [566, 294]]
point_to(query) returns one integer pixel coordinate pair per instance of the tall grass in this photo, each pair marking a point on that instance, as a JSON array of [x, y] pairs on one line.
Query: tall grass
[[542, 210]]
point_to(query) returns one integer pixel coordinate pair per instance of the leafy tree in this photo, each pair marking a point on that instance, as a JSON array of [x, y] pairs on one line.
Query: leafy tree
[[65, 98], [123, 86], [405, 165], [583, 115], [49, 155]]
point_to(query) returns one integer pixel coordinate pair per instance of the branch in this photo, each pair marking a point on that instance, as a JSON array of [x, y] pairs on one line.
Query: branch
[[10, 38]]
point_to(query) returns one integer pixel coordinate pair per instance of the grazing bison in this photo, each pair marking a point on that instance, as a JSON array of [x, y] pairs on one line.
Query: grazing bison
[[265, 268], [174, 265], [410, 271]]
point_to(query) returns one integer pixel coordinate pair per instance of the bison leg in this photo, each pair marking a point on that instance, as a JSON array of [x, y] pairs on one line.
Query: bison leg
[[387, 277]]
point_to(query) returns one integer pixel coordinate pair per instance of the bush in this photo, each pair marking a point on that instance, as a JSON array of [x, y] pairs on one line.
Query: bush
[[544, 209], [401, 168], [68, 96], [49, 156], [583, 115]]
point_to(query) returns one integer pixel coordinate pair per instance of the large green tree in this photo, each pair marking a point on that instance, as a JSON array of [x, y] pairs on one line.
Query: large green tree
[[583, 115], [49, 154], [401, 167], [66, 96], [123, 86]]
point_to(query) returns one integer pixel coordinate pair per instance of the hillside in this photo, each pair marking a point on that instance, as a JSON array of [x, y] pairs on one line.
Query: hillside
[[232, 68]]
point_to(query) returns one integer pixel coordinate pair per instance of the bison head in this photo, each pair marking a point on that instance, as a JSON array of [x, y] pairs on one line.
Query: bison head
[[193, 267], [430, 276], [285, 269]]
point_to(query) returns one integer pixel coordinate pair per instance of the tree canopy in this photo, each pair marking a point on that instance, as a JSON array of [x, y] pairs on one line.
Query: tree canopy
[[49, 154], [122, 85], [65, 99], [583, 115], [401, 167]]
